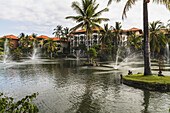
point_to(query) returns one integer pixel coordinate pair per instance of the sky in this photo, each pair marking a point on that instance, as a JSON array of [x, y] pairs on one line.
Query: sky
[[42, 16]]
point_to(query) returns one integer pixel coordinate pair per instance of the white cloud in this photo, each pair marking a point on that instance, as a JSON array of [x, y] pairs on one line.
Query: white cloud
[[42, 15]]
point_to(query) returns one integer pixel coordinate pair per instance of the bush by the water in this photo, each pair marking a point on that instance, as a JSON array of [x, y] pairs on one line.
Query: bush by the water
[[7, 104]]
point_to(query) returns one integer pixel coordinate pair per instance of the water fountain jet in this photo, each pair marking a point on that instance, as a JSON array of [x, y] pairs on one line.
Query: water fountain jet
[[123, 56], [77, 54], [34, 52], [167, 52], [6, 51]]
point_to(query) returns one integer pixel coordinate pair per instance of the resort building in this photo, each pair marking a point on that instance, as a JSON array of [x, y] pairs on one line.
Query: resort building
[[79, 38], [13, 39], [76, 39], [42, 39], [136, 30], [64, 43], [126, 33]]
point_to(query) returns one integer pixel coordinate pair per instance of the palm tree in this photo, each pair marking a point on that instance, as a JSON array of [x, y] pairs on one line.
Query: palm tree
[[21, 38], [134, 41], [66, 33], [25, 43], [34, 40], [158, 40], [106, 34], [168, 29], [1, 46], [22, 35], [157, 37], [117, 34], [87, 17], [17, 53], [168, 25], [128, 5], [58, 31], [51, 47]]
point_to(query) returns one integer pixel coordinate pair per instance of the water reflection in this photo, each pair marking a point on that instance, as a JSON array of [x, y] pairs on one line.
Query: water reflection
[[146, 95], [66, 87]]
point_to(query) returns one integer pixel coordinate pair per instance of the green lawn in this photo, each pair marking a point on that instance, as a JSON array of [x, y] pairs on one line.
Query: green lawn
[[154, 60], [150, 78]]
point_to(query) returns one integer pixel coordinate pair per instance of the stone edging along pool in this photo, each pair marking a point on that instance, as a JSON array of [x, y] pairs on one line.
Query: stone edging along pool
[[147, 85]]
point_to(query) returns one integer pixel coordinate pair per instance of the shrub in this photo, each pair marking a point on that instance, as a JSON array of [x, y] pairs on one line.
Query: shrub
[[92, 54], [24, 105]]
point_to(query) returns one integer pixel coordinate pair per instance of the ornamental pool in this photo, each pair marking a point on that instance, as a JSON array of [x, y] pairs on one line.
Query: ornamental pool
[[66, 87]]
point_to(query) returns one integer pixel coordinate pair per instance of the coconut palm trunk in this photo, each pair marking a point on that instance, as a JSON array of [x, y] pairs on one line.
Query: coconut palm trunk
[[51, 55], [87, 42], [147, 64]]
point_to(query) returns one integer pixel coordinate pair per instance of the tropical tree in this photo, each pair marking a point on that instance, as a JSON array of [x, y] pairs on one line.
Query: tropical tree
[[128, 5], [58, 32], [21, 38], [168, 25], [25, 43], [1, 46], [158, 40], [1, 51], [66, 32], [134, 41], [117, 34], [97, 47], [42, 42], [106, 34], [168, 30], [16, 53], [92, 54], [34, 40], [87, 17], [22, 35], [51, 47]]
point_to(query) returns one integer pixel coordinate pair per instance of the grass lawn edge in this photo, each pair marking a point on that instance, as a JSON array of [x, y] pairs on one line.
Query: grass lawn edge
[[150, 82]]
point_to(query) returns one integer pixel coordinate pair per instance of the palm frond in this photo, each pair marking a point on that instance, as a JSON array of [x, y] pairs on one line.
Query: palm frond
[[128, 5], [75, 18], [76, 27], [164, 2], [89, 10], [96, 7], [100, 12], [99, 20], [110, 1], [75, 6]]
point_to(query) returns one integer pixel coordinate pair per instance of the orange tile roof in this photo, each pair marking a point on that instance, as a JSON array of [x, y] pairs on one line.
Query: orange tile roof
[[134, 29], [120, 30], [84, 30], [58, 39], [10, 36], [44, 37]]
